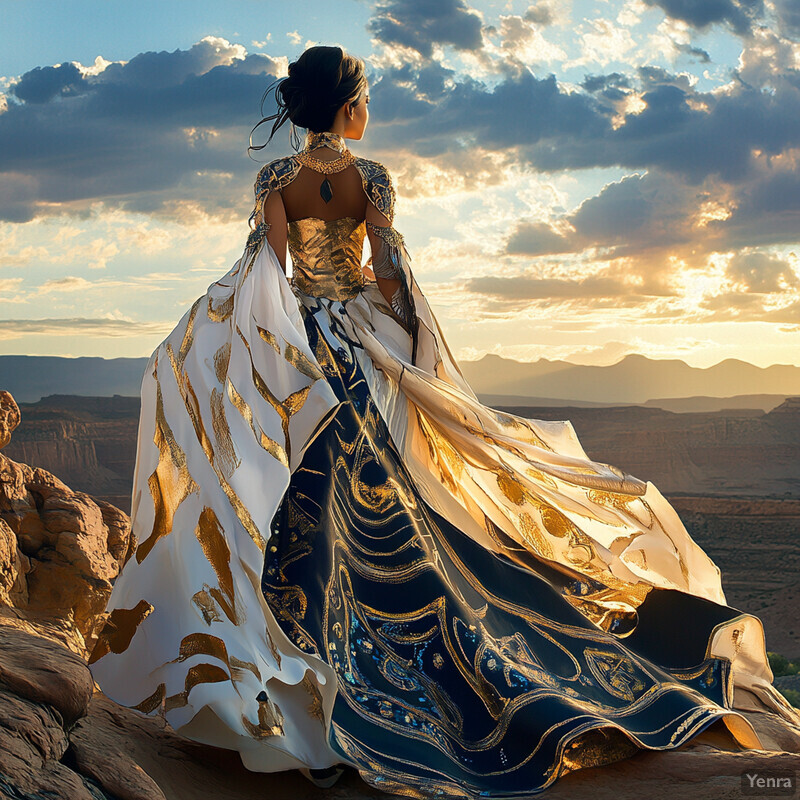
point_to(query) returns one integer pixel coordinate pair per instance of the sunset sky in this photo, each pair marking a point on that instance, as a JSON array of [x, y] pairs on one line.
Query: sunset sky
[[577, 180]]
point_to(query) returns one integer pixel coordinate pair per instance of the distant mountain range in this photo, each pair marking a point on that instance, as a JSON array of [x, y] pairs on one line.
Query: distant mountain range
[[635, 380], [29, 378]]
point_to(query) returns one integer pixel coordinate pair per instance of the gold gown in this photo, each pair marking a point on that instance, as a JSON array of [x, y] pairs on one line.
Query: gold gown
[[344, 557]]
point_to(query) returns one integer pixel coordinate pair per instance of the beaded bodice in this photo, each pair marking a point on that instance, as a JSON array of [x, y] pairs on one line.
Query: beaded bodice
[[326, 256]]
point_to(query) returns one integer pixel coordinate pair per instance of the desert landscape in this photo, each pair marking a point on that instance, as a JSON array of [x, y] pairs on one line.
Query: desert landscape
[[65, 478]]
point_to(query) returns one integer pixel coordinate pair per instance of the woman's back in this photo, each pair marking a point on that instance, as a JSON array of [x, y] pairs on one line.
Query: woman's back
[[302, 198]]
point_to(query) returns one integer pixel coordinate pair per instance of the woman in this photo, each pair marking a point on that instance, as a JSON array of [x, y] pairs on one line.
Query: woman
[[344, 558]]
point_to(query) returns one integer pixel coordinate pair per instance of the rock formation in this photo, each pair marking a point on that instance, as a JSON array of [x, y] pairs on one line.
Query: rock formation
[[61, 737]]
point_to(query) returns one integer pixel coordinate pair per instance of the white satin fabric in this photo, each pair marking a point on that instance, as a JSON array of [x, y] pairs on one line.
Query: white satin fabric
[[230, 400]]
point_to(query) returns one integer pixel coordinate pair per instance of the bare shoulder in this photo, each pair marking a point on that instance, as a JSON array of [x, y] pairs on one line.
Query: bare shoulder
[[378, 185], [276, 174]]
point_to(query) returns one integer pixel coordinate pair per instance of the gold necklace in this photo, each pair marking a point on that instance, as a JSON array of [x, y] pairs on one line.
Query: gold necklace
[[330, 139], [326, 168]]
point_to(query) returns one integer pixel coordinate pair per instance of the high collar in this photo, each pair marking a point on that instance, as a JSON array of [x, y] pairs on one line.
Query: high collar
[[327, 139]]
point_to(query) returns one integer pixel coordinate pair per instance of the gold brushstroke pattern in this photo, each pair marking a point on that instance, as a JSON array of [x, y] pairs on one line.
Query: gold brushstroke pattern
[[326, 256], [227, 456], [273, 649], [198, 673], [237, 666], [300, 361], [221, 312], [316, 708], [154, 701], [202, 643], [193, 409], [207, 606], [170, 484], [221, 360], [533, 536], [270, 721], [215, 548], [119, 630], [270, 445], [188, 334], [285, 409], [269, 338]]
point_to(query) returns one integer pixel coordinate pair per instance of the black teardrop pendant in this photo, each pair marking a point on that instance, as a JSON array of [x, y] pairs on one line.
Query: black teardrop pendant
[[326, 190]]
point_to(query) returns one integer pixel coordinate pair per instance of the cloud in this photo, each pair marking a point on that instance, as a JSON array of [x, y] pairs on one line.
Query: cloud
[[761, 272], [81, 326], [421, 24], [523, 288], [537, 239], [788, 12], [545, 12], [44, 83], [738, 14], [141, 129]]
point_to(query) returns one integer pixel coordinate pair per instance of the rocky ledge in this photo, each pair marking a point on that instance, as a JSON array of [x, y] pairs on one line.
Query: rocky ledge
[[61, 737]]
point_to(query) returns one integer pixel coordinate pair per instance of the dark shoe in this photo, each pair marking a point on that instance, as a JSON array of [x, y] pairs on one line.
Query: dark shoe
[[323, 778]]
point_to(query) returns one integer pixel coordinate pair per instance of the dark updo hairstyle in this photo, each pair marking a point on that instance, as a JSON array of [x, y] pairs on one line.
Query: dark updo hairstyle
[[319, 83]]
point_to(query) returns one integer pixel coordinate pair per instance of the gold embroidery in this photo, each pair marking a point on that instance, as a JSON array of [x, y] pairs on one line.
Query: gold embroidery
[[615, 672], [326, 167]]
